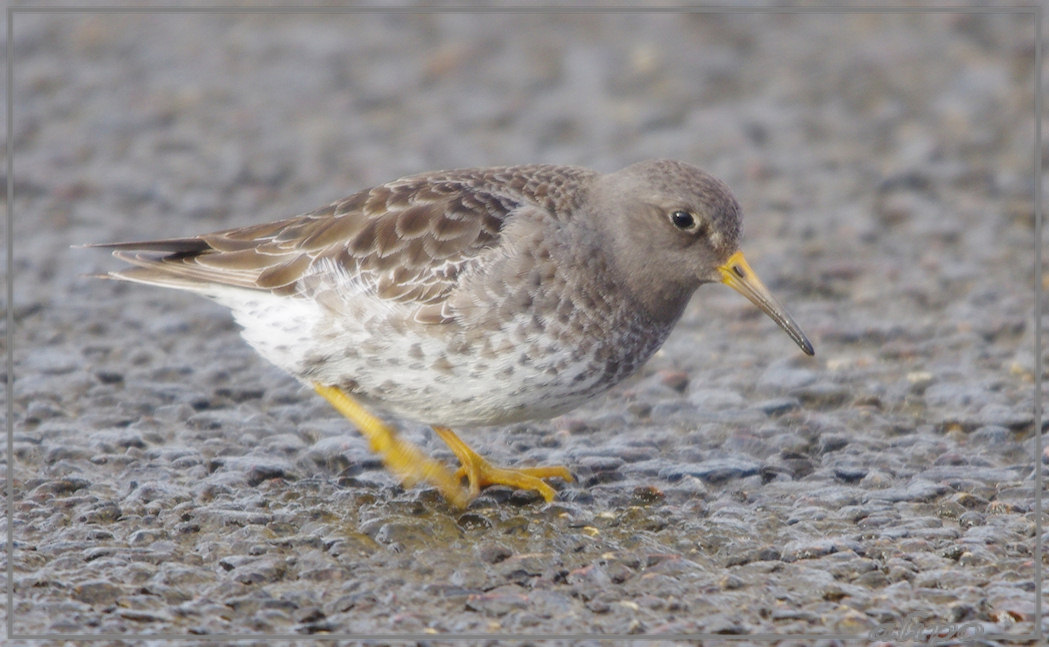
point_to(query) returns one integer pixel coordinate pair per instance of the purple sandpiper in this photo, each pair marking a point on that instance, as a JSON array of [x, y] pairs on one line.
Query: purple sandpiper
[[471, 297]]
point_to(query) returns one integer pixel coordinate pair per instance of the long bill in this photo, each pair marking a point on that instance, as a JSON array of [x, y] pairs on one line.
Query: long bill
[[736, 274]]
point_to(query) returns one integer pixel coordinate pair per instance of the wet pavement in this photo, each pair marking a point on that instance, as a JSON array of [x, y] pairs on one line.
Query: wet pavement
[[167, 480]]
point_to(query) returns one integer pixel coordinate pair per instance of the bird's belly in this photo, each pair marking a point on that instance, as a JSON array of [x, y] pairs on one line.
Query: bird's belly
[[480, 397], [454, 384], [446, 373], [503, 376]]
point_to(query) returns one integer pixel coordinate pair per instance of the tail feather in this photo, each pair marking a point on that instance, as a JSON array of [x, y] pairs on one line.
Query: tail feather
[[253, 258], [179, 270], [173, 245]]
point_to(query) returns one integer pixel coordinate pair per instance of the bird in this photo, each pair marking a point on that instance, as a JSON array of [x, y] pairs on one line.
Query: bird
[[470, 297]]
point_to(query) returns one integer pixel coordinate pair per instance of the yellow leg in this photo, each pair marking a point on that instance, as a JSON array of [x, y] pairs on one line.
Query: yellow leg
[[401, 457], [480, 472]]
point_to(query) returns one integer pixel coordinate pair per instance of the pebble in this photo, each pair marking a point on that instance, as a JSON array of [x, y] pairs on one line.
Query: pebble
[[778, 406]]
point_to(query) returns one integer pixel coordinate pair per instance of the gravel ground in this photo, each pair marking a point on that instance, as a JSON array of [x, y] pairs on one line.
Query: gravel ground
[[167, 480]]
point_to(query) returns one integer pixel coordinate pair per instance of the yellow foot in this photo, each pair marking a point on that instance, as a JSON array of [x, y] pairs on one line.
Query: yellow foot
[[400, 457], [479, 472]]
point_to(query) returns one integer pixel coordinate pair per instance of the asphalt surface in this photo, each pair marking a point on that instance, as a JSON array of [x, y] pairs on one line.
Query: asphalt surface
[[169, 481]]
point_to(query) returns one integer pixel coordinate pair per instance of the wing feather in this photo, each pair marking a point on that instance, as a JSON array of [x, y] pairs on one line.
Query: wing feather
[[406, 242]]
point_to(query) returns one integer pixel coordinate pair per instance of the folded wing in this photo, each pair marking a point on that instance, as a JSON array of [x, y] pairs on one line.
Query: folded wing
[[407, 242]]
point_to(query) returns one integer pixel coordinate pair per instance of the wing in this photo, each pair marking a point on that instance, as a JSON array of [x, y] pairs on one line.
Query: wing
[[406, 242]]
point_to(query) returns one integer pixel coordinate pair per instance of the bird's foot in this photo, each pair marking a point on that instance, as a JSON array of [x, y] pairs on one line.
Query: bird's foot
[[401, 457], [479, 472]]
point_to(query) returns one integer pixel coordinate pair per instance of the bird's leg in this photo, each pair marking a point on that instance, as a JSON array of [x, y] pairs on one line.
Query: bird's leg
[[400, 457], [479, 472]]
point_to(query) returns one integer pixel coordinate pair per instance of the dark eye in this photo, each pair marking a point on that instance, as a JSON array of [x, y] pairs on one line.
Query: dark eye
[[683, 220]]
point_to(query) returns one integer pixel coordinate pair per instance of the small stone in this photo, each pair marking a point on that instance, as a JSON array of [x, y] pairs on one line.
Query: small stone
[[778, 406]]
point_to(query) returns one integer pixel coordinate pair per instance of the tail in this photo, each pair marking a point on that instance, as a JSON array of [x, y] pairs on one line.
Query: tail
[[266, 257], [174, 263]]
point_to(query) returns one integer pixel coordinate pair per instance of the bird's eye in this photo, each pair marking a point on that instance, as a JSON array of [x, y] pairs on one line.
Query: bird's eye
[[683, 220]]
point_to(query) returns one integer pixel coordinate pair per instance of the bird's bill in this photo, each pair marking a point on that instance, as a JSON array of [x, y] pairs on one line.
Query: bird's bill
[[736, 274]]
